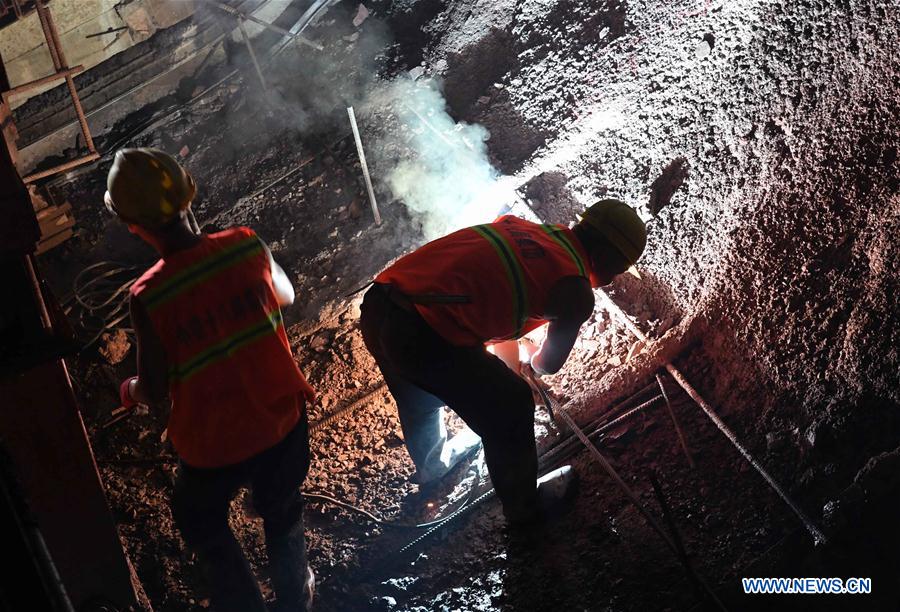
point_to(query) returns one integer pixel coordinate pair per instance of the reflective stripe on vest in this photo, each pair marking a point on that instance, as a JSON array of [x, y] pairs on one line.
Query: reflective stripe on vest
[[201, 271], [560, 237], [513, 271], [180, 372]]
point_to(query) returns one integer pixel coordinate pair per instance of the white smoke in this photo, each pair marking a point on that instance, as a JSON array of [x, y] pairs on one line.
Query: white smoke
[[437, 167], [417, 153]]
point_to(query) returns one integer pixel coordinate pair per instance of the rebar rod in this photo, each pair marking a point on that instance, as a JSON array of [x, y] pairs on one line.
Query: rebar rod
[[625, 416], [332, 416], [570, 445], [817, 534], [250, 50], [269, 26], [613, 412], [24, 87], [678, 430], [699, 584], [60, 65], [62, 167], [436, 131], [632, 496]]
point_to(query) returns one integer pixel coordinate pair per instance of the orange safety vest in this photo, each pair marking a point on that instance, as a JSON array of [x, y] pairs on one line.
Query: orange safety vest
[[496, 278], [233, 381]]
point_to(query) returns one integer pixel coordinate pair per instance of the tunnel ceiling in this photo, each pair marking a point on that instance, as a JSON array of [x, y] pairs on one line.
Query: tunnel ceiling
[[83, 27]]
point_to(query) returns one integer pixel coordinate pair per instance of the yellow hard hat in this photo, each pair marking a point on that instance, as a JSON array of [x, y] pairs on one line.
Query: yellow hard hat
[[148, 187], [620, 224]]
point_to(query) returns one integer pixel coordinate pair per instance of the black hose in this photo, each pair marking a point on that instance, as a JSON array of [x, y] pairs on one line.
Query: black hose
[[321, 497], [101, 291]]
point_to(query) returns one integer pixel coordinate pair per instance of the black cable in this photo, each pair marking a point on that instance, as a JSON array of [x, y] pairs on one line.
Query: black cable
[[101, 291], [321, 497]]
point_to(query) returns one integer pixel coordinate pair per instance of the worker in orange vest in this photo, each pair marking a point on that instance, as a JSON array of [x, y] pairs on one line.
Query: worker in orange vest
[[210, 337], [428, 317]]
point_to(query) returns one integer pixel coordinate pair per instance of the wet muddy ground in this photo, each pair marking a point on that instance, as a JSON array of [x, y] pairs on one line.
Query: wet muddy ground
[[760, 140]]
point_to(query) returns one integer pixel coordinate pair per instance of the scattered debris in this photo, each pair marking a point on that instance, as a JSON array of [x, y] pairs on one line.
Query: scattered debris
[[114, 345], [362, 13], [702, 49], [634, 350]]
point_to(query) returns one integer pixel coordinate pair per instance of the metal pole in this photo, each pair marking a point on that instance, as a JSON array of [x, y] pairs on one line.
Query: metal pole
[[43, 17], [675, 422], [362, 163], [270, 26], [818, 536], [195, 227], [563, 449], [18, 89], [62, 167], [699, 583], [262, 79], [46, 322], [608, 468]]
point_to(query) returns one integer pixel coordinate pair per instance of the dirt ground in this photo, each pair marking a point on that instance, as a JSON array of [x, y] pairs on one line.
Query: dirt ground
[[759, 139]]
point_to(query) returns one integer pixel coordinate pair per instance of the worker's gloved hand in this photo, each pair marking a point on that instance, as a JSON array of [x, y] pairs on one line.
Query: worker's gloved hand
[[529, 345], [308, 393], [528, 372], [125, 393]]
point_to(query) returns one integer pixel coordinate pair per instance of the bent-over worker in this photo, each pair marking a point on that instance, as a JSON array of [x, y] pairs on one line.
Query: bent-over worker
[[428, 317]]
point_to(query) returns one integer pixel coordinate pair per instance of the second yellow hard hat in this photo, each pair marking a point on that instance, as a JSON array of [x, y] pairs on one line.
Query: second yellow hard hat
[[148, 187]]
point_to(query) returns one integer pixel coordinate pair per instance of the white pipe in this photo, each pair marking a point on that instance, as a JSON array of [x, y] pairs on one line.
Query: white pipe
[[362, 163]]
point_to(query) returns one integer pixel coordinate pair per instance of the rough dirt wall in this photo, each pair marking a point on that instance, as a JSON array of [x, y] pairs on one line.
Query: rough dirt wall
[[760, 139]]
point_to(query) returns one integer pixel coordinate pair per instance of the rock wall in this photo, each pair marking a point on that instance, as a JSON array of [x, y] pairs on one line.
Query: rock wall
[[759, 140]]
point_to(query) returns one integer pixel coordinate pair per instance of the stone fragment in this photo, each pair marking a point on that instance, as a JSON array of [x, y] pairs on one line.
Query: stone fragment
[[362, 13], [114, 346], [702, 49]]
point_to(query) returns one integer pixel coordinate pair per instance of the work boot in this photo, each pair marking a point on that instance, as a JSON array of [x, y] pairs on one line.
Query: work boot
[[292, 579], [443, 459], [231, 583], [554, 492], [309, 588]]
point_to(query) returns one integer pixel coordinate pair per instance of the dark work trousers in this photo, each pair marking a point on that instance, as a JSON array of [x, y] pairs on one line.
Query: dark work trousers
[[424, 372], [200, 505]]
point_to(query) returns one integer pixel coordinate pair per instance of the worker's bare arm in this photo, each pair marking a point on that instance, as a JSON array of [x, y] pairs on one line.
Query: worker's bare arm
[[152, 384], [284, 291], [570, 303]]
